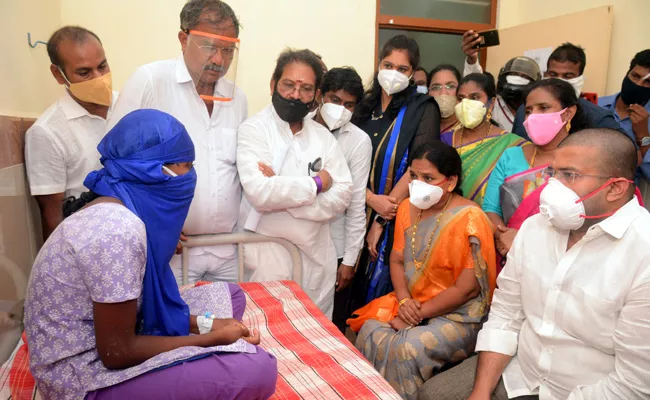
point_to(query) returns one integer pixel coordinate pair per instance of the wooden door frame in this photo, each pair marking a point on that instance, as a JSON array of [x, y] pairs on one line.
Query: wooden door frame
[[432, 25]]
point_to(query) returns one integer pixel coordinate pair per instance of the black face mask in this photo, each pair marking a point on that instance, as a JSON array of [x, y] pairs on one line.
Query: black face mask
[[631, 93], [290, 110], [513, 95]]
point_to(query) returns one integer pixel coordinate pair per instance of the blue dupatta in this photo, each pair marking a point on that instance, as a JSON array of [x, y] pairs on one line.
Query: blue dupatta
[[379, 270]]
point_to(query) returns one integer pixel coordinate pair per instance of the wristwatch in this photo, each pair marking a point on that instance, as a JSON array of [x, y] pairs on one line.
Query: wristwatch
[[381, 220]]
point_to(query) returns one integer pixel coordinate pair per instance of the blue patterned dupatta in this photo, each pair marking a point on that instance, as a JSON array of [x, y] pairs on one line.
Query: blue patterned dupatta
[[379, 270]]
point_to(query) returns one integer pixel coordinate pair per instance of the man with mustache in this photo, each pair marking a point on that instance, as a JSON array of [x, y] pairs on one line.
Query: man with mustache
[[199, 90]]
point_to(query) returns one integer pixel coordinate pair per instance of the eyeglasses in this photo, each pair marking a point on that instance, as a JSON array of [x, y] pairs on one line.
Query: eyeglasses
[[306, 91], [210, 50], [448, 86], [567, 176]]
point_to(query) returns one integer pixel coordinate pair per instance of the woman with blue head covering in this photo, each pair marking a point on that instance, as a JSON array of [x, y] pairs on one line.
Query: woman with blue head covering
[[104, 317]]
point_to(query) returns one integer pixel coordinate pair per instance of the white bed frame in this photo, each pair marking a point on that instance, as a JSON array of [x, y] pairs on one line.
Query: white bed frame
[[241, 238]]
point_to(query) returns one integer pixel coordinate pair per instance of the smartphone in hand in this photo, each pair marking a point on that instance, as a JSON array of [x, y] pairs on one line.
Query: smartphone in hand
[[488, 39]]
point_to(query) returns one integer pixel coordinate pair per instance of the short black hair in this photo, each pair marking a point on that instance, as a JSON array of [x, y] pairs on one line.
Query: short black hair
[[303, 56], [484, 80], [444, 157], [569, 52], [445, 67], [641, 58], [619, 156], [426, 74], [345, 78], [74, 33], [193, 9], [563, 92]]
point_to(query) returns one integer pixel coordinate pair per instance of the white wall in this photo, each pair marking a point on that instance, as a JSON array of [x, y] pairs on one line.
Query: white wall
[[26, 85], [142, 31], [629, 31]]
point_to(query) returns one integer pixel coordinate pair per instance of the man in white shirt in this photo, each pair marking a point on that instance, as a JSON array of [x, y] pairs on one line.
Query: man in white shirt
[[61, 146], [295, 180], [570, 316], [198, 90], [340, 92]]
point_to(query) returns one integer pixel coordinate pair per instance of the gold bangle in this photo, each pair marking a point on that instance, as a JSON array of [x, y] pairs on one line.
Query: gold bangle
[[402, 302]]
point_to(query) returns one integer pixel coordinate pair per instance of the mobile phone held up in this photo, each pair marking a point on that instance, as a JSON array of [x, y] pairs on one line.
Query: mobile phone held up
[[488, 39]]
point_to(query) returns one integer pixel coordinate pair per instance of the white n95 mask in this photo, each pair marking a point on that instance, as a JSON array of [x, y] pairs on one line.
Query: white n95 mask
[[392, 81], [470, 113], [561, 206], [424, 196], [578, 82], [334, 115], [517, 80]]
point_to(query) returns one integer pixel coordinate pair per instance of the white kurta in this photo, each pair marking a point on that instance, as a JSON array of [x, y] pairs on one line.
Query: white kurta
[[349, 228], [291, 208]]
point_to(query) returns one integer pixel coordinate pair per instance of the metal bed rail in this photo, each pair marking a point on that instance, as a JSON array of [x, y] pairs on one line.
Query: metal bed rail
[[240, 238]]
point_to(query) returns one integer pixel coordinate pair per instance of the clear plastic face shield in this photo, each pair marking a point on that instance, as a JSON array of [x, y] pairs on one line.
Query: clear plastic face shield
[[212, 62]]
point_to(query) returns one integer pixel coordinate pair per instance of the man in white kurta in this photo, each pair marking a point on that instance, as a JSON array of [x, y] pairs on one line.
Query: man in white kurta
[[341, 91], [291, 204], [176, 87]]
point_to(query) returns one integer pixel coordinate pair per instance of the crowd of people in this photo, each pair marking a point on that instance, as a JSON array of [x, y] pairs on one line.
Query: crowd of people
[[483, 237]]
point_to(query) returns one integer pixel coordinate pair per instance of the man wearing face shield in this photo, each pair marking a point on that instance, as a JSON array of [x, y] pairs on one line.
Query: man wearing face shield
[[61, 146], [569, 317], [198, 88], [295, 180]]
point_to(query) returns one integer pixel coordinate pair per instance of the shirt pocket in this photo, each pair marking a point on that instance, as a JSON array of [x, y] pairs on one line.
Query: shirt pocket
[[227, 145], [591, 319]]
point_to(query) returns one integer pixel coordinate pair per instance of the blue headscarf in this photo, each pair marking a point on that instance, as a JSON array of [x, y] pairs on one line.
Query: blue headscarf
[[133, 153]]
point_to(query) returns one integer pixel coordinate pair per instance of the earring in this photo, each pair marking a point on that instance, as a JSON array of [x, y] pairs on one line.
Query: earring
[[568, 126], [488, 116]]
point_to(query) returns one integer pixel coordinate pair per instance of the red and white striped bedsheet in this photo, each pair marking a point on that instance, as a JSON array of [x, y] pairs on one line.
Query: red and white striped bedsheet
[[315, 361]]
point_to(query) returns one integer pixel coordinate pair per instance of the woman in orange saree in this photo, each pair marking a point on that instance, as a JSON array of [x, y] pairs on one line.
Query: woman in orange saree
[[443, 271]]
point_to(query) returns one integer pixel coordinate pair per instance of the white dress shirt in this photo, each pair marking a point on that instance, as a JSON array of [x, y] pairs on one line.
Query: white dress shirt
[[501, 114], [291, 208], [349, 229], [61, 148], [577, 322], [167, 86]]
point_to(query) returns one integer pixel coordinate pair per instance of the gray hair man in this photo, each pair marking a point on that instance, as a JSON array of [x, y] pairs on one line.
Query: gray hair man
[[198, 88]]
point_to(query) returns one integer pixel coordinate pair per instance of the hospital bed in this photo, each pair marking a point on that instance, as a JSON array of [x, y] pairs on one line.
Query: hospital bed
[[315, 361]]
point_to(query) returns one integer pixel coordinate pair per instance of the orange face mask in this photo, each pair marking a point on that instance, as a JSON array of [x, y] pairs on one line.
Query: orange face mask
[[96, 91]]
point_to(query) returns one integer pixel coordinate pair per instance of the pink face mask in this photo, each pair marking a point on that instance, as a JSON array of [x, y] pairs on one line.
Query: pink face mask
[[542, 128]]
